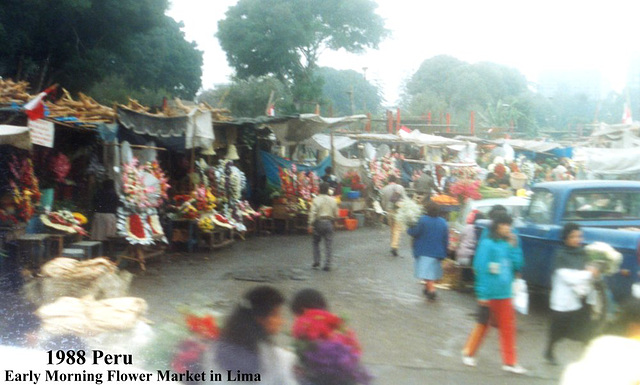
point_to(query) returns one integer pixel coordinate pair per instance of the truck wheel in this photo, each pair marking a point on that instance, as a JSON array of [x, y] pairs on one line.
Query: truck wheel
[[600, 308]]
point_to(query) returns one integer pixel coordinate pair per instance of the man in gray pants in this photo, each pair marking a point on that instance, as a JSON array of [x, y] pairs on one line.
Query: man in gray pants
[[324, 209]]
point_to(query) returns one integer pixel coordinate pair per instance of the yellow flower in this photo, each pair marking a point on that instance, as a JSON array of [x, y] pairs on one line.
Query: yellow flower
[[80, 218]]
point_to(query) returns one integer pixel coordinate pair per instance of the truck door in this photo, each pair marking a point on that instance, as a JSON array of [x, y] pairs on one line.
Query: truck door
[[539, 238]]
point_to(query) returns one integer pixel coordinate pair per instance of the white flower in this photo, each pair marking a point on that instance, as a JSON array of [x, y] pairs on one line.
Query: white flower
[[603, 252]]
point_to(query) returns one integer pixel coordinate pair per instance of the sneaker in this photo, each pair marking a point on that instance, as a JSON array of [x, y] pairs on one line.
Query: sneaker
[[516, 369], [326, 268], [468, 360], [394, 252], [315, 266]]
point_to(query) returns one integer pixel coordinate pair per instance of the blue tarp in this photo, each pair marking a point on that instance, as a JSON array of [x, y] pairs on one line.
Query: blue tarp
[[270, 164]]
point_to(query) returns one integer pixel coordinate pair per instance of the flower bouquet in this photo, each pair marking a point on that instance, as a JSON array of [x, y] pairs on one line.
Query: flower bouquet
[[408, 212], [179, 345], [605, 257], [329, 352], [64, 220]]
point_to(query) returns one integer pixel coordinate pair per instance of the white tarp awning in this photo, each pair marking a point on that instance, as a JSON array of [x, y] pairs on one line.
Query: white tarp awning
[[532, 145], [609, 161], [323, 142], [300, 128], [17, 136], [419, 139]]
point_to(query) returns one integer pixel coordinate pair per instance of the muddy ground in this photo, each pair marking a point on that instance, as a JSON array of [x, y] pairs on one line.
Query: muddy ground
[[406, 340]]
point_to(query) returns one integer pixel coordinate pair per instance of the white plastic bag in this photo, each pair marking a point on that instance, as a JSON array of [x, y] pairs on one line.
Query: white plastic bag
[[520, 296]]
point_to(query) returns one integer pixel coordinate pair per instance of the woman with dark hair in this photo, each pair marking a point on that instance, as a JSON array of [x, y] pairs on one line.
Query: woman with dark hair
[[571, 283], [245, 350], [496, 263], [307, 299], [430, 242]]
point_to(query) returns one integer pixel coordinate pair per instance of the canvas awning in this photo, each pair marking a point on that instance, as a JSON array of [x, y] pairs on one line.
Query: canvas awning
[[296, 129], [609, 161], [17, 136]]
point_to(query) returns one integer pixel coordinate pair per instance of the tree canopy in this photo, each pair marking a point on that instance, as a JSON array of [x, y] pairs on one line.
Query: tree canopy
[[284, 38], [79, 43], [347, 92]]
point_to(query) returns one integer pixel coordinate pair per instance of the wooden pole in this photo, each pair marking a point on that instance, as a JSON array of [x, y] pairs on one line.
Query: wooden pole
[[448, 122], [398, 120], [333, 158], [472, 122]]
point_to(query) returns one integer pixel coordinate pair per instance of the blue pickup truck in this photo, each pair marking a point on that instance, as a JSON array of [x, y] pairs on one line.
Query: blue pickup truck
[[607, 211]]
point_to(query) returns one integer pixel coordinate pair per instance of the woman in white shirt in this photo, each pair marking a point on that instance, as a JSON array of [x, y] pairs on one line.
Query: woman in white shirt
[[571, 283]]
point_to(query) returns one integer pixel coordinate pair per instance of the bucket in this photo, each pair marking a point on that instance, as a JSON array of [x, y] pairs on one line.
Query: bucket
[[350, 224], [360, 218], [353, 194], [517, 180], [343, 213]]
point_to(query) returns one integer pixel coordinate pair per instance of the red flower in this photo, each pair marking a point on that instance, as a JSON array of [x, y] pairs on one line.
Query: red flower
[[316, 324], [204, 326]]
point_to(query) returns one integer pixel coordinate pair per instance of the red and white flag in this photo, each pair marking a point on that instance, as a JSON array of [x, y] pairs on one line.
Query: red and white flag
[[271, 111], [34, 108], [626, 115]]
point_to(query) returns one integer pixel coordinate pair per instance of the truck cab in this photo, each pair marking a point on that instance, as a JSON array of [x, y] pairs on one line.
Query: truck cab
[[607, 211]]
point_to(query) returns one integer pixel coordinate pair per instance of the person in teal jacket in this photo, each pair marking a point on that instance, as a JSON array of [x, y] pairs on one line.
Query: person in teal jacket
[[496, 263]]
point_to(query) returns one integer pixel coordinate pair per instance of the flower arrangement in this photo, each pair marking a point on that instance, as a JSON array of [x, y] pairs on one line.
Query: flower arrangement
[[24, 192], [464, 189], [409, 212], [352, 179], [383, 168], [328, 350], [605, 257], [298, 186], [179, 345], [64, 220]]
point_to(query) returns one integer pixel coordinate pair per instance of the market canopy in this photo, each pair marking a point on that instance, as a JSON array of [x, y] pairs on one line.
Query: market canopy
[[296, 129], [419, 139], [609, 161], [323, 142], [16, 136], [193, 130]]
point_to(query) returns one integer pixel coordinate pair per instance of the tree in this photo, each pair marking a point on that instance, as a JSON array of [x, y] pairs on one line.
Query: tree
[[249, 97], [444, 84], [284, 38], [337, 89], [79, 43]]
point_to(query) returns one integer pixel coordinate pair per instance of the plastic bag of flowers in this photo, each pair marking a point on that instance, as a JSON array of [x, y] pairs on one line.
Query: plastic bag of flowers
[[605, 257], [328, 351]]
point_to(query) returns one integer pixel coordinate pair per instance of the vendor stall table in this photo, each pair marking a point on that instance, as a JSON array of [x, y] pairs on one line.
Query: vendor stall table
[[141, 253], [91, 249], [219, 237], [266, 225], [33, 250], [189, 227]]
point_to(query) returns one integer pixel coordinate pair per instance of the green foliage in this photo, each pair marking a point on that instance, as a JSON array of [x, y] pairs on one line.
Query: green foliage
[[78, 43], [249, 97], [337, 88], [284, 38]]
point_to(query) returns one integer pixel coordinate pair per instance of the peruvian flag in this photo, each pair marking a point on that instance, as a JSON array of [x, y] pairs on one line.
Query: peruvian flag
[[626, 115], [34, 108]]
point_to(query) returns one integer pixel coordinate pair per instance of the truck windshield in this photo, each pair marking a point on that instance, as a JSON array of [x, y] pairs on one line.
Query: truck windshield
[[597, 205], [541, 207]]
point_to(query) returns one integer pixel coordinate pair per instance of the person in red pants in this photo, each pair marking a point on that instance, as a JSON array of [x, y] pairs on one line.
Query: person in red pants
[[497, 261]]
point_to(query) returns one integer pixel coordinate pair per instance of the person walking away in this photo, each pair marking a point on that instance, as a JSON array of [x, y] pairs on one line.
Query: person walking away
[[393, 193], [245, 347], [497, 260], [324, 209], [430, 243], [425, 185], [571, 283]]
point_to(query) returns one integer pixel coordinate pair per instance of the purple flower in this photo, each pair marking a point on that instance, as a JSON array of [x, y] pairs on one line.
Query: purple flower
[[334, 360]]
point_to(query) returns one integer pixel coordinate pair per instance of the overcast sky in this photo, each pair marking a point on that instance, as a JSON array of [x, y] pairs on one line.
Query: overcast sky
[[532, 36]]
